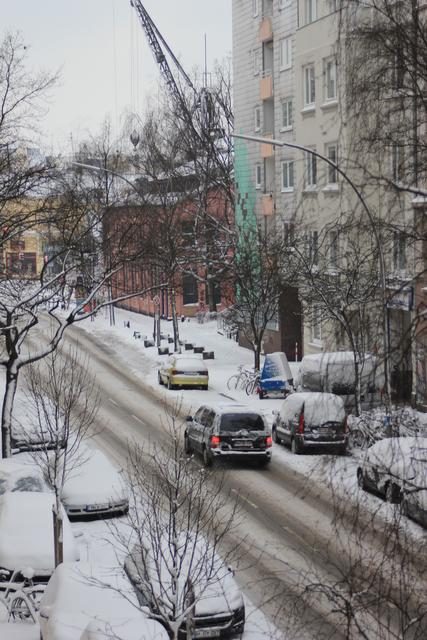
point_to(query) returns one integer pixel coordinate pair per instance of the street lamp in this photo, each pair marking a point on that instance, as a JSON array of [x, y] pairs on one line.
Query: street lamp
[[386, 338]]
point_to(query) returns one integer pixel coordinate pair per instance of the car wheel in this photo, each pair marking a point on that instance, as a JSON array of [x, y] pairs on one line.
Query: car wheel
[[187, 446], [276, 438], [295, 446], [261, 395], [392, 493], [170, 385], [361, 479], [159, 377], [207, 458]]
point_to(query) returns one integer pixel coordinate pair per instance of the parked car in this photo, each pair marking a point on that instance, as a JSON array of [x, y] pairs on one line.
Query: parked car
[[28, 435], [219, 608], [396, 469], [333, 372], [77, 604], [26, 534], [308, 420], [18, 475], [228, 431], [184, 371], [94, 488]]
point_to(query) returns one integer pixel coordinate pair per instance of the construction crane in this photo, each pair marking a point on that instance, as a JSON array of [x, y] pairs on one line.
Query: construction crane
[[203, 100]]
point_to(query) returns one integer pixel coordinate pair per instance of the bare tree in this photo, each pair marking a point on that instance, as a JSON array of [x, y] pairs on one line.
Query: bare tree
[[63, 399], [178, 520]]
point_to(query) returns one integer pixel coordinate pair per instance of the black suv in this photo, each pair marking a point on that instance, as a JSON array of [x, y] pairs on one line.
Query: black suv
[[226, 431]]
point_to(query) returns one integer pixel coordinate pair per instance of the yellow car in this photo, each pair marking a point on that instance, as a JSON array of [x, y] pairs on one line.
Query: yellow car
[[184, 371]]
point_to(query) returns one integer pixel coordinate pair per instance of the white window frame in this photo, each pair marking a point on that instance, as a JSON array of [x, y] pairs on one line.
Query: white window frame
[[334, 249], [257, 119], [309, 85], [310, 171], [255, 8], [316, 325], [400, 259], [331, 153], [287, 176], [330, 74], [287, 114], [258, 176], [310, 11], [257, 61], [285, 54]]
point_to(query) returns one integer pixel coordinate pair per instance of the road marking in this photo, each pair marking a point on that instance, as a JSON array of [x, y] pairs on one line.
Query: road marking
[[113, 402], [245, 499], [136, 418]]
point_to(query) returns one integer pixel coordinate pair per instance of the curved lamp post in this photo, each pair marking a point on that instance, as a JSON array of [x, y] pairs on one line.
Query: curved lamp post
[[386, 340]]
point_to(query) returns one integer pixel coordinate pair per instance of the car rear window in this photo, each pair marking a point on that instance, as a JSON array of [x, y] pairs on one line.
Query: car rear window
[[238, 421], [322, 410]]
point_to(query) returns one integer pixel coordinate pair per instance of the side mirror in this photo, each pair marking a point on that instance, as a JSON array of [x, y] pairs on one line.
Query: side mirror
[[189, 418]]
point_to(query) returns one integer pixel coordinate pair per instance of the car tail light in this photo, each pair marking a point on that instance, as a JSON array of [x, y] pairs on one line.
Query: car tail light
[[301, 423], [174, 372], [215, 442], [269, 441]]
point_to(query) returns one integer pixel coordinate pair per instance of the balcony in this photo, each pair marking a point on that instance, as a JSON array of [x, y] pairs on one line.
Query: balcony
[[267, 204], [266, 85], [266, 30], [267, 150]]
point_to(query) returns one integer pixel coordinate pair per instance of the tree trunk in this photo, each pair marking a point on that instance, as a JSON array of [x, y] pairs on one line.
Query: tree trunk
[[58, 538], [257, 356], [357, 385], [6, 418], [177, 347]]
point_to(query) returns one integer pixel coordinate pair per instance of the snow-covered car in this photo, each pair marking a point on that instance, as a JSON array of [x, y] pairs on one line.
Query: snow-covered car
[[219, 609], [20, 476], [28, 435], [228, 431], [184, 371], [396, 468], [26, 534], [312, 420], [84, 602], [94, 488]]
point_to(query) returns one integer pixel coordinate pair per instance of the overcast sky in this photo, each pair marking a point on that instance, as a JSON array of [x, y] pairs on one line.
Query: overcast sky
[[100, 48]]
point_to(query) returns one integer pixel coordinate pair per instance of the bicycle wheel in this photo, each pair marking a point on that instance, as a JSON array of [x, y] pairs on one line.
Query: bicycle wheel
[[233, 381], [250, 386]]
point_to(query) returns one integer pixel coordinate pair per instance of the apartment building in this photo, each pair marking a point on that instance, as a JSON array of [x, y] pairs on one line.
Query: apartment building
[[289, 77]]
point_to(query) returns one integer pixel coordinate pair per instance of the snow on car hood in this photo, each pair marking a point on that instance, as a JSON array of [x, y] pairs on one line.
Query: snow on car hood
[[189, 365], [26, 532], [94, 481]]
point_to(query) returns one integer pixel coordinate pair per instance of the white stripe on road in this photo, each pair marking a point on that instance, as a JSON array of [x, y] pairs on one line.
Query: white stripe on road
[[113, 402], [245, 499], [136, 418]]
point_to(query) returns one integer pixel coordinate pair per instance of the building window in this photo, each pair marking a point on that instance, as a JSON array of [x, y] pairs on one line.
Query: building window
[[331, 154], [287, 175], [189, 289], [397, 163], [287, 114], [188, 234], [313, 247], [258, 176], [399, 251], [316, 324], [310, 170], [285, 53], [330, 71], [289, 234], [310, 11], [309, 86], [255, 8], [257, 119], [257, 60], [333, 249]]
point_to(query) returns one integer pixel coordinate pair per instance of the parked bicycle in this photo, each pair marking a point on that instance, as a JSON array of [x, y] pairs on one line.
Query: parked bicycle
[[21, 596], [240, 380], [252, 384]]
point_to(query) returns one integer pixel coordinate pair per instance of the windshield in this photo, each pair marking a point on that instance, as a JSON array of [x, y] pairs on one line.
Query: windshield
[[239, 421]]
